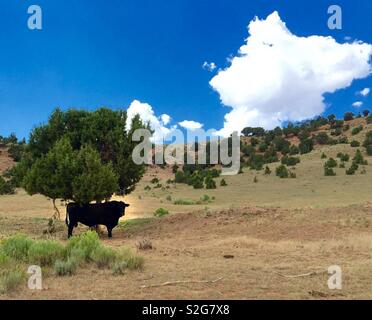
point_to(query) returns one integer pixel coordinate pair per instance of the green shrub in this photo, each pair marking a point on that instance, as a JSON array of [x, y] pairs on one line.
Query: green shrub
[[210, 183], [17, 247], [161, 212], [344, 157], [147, 188], [223, 183], [11, 280], [65, 268], [119, 268], [133, 261], [331, 163], [205, 198], [359, 159], [282, 172], [6, 187], [369, 150], [169, 198], [355, 144], [184, 202], [293, 150], [356, 130], [103, 257], [86, 243], [343, 140], [45, 252], [267, 171], [290, 161], [329, 172], [352, 170], [155, 181], [324, 156]]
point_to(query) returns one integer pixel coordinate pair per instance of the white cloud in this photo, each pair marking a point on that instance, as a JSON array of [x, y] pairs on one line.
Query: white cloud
[[165, 118], [190, 125], [147, 115], [365, 92], [278, 76], [210, 66], [357, 104]]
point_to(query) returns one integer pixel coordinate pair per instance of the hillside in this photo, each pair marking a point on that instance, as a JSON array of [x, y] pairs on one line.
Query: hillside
[[5, 160]]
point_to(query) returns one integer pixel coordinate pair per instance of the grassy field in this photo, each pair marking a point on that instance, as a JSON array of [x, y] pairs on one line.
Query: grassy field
[[253, 237]]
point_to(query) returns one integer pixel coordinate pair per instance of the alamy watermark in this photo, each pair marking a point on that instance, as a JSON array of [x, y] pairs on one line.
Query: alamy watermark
[[211, 150], [35, 281]]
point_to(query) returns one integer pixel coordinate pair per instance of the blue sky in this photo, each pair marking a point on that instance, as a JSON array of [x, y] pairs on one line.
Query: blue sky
[[111, 52]]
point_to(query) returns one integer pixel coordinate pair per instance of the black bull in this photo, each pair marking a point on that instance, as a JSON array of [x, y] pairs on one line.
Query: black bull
[[107, 214]]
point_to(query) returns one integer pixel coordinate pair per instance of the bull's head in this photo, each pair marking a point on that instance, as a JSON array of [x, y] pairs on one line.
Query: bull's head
[[122, 206]]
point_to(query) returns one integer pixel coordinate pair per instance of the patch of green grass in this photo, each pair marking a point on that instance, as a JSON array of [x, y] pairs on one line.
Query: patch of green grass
[[65, 268], [134, 223], [133, 261], [104, 257], [119, 268], [17, 247], [161, 212], [87, 243], [45, 252], [184, 202], [11, 280]]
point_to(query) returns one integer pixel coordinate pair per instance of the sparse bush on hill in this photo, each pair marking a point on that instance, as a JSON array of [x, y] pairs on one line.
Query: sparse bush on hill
[[365, 113], [336, 132], [322, 138], [267, 171], [282, 172], [356, 130], [306, 146], [223, 183], [155, 181], [348, 116], [331, 163], [352, 170], [161, 212], [290, 161], [355, 144], [344, 157], [343, 140], [6, 187], [210, 183], [293, 150], [329, 172], [323, 156], [359, 159]]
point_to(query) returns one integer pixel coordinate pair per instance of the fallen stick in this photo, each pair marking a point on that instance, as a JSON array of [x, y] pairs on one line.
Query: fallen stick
[[310, 274], [170, 283]]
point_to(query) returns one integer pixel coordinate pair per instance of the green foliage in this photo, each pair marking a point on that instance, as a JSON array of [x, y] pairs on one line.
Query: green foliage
[[290, 161], [331, 163], [357, 130], [355, 144], [344, 157], [323, 156], [155, 181], [16, 247], [147, 188], [223, 183], [322, 138], [71, 175], [343, 140], [65, 268], [197, 180], [119, 268], [11, 280], [351, 171], [104, 257], [6, 187], [293, 150], [359, 159], [45, 253], [329, 172], [133, 261], [210, 183], [306, 146], [104, 130], [161, 212], [282, 172], [86, 244], [267, 171], [348, 116], [184, 202]]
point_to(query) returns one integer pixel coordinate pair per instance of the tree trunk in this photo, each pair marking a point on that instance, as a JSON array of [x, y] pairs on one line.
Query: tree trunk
[[57, 214]]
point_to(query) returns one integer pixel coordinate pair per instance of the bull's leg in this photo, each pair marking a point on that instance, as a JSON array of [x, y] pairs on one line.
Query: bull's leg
[[70, 229], [109, 230]]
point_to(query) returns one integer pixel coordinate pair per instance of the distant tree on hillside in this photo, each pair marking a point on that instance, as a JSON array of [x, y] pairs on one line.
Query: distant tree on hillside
[[348, 116], [365, 113]]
